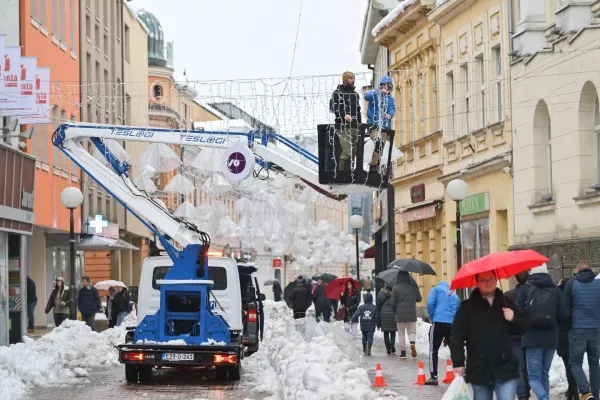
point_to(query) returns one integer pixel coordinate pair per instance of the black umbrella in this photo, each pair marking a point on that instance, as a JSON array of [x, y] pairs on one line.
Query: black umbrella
[[412, 265], [325, 276], [390, 277]]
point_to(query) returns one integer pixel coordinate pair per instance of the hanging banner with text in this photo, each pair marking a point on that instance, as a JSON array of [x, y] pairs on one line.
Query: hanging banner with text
[[26, 98], [10, 90], [41, 92]]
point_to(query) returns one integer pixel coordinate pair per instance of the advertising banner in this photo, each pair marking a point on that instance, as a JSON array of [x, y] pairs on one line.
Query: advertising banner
[[41, 92], [25, 96], [10, 89]]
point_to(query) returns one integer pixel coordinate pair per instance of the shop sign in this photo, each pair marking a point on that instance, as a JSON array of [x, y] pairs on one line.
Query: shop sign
[[17, 182], [277, 263], [474, 204], [417, 214], [97, 225], [417, 193]]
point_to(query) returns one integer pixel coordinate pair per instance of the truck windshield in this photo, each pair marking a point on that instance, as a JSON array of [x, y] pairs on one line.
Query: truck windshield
[[216, 274]]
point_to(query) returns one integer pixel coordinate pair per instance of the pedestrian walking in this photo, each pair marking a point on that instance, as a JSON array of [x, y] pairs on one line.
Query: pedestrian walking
[[334, 308], [345, 104], [523, 388], [322, 307], [387, 319], [31, 303], [300, 298], [350, 301], [404, 299], [442, 304], [88, 302], [120, 305], [277, 291], [563, 352], [109, 307], [59, 301], [582, 297], [368, 284], [484, 324], [367, 313], [544, 307]]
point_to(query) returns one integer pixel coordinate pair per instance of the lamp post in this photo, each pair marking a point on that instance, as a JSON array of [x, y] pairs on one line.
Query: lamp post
[[72, 198], [458, 190], [357, 222]]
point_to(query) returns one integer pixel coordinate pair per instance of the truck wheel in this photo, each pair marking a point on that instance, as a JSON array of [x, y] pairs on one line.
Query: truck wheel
[[145, 373], [221, 373], [235, 373], [131, 373]]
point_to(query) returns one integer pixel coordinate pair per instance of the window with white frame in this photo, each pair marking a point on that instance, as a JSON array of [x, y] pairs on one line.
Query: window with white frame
[[498, 68], [451, 116], [481, 70], [465, 76]]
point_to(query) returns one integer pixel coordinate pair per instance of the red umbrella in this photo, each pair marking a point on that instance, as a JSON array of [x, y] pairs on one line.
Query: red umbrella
[[336, 287], [505, 265]]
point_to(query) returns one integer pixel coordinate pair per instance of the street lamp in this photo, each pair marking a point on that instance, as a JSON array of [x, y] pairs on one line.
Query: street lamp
[[357, 222], [458, 190], [72, 198]]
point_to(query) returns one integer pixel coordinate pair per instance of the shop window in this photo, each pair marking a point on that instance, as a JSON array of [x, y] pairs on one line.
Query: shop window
[[475, 239]]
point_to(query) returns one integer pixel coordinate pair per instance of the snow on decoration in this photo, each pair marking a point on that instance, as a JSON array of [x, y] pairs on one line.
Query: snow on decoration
[[216, 185], [179, 184], [243, 206], [160, 203], [388, 19], [208, 160], [160, 157], [116, 149], [308, 195], [185, 210]]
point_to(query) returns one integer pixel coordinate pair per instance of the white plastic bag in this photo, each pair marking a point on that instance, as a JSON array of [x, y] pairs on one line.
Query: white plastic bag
[[459, 390]]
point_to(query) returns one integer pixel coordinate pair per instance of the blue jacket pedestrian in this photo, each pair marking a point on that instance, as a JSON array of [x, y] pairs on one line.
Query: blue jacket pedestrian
[[442, 303], [380, 104], [582, 296]]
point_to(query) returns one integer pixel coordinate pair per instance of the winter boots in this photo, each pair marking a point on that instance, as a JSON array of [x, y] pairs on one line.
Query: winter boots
[[364, 348], [403, 355], [369, 349], [389, 349], [413, 350], [393, 349], [432, 381]]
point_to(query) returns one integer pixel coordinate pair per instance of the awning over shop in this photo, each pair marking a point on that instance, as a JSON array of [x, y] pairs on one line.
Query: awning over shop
[[370, 252], [99, 243], [417, 212]]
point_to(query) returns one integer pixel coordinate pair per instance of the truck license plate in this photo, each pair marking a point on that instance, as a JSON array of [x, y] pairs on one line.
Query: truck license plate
[[178, 357]]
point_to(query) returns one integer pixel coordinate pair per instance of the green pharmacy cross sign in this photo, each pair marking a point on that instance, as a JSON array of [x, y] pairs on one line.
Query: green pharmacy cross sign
[[474, 204]]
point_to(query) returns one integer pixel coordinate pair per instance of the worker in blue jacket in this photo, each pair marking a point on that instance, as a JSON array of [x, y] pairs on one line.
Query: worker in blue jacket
[[442, 305], [381, 108]]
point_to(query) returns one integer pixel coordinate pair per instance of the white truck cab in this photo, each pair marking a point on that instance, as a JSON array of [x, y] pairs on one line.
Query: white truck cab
[[221, 270]]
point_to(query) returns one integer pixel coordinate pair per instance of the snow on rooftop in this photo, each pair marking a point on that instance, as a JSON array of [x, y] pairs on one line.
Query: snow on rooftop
[[393, 14]]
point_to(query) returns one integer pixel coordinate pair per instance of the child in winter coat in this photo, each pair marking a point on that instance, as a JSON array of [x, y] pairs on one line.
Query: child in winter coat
[[368, 321]]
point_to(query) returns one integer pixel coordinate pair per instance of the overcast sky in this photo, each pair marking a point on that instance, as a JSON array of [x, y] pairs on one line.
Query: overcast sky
[[254, 39]]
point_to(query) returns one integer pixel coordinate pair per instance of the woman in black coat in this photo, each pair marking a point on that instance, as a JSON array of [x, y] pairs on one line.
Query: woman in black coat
[[387, 319], [277, 292], [350, 300]]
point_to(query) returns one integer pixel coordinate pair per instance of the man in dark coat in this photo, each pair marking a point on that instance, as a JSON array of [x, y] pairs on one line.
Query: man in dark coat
[[523, 389], [541, 341], [484, 323], [88, 302], [322, 306], [404, 299], [387, 319], [563, 352], [31, 303], [300, 298], [582, 296], [345, 104], [277, 292]]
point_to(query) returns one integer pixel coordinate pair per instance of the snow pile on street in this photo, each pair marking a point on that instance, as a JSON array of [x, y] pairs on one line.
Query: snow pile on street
[[289, 367], [392, 15], [61, 356], [212, 342]]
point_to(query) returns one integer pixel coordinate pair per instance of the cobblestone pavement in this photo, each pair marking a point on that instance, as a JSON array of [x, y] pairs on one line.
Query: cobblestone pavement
[[166, 385], [400, 375]]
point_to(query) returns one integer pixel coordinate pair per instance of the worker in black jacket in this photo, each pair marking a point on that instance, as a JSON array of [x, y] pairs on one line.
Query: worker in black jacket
[[484, 323], [345, 104], [300, 298]]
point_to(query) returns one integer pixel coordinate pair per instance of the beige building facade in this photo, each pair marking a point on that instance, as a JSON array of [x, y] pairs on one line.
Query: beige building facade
[[474, 76], [413, 43], [556, 115]]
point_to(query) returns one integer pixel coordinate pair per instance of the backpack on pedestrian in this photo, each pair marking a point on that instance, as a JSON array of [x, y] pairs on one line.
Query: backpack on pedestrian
[[540, 307]]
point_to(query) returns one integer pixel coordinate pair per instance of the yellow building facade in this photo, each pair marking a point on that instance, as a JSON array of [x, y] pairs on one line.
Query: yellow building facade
[[476, 120], [413, 43]]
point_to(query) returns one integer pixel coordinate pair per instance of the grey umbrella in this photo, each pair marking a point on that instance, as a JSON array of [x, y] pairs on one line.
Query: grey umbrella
[[269, 282], [412, 265], [390, 276]]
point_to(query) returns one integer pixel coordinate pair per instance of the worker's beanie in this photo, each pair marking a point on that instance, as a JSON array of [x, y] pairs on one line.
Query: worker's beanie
[[347, 75]]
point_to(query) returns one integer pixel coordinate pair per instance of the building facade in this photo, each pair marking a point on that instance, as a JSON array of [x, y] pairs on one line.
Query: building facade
[[557, 132], [476, 121], [50, 32], [413, 42]]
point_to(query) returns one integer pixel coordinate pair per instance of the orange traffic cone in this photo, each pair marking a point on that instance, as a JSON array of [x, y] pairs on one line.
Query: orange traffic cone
[[449, 372], [379, 382], [421, 379]]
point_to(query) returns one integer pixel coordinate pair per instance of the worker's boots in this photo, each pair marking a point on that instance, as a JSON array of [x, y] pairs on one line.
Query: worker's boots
[[368, 349], [364, 348]]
